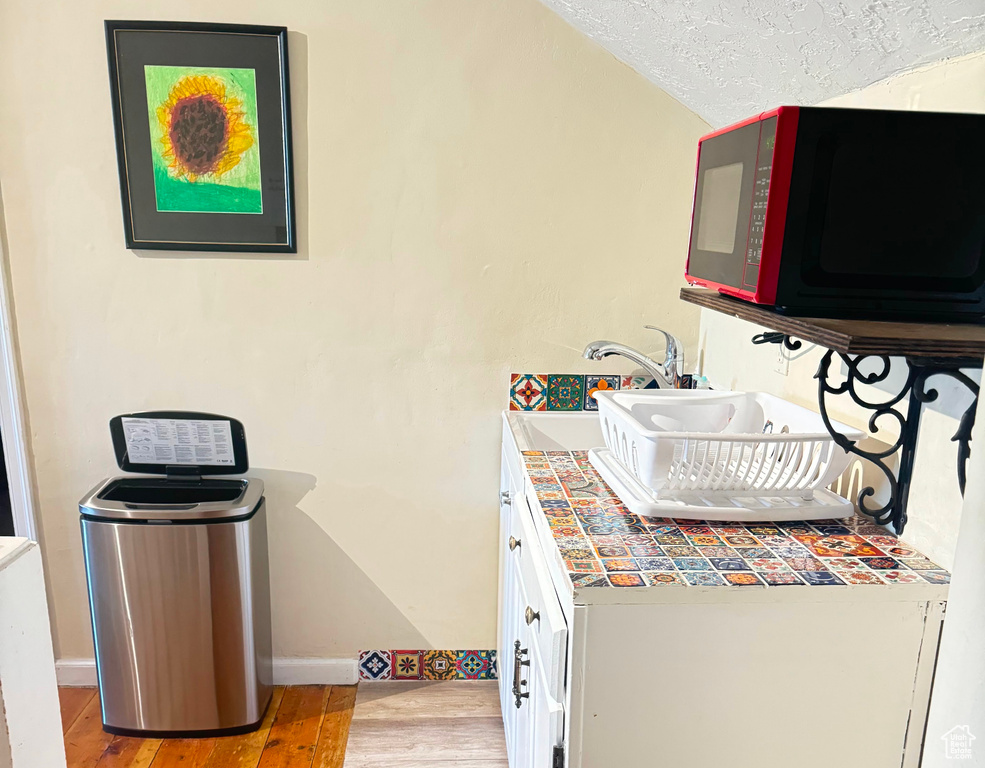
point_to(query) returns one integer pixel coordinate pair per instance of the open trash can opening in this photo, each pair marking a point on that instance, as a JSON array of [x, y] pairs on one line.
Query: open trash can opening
[[177, 571]]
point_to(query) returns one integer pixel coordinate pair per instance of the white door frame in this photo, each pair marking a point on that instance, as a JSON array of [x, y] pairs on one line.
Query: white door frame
[[13, 428]]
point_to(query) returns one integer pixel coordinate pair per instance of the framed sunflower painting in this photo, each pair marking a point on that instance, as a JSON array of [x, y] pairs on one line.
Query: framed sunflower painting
[[203, 135]]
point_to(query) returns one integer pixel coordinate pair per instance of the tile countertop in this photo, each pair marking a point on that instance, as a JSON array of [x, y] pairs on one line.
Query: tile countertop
[[602, 544]]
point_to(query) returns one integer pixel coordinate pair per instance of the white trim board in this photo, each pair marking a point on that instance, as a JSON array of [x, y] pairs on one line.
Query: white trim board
[[287, 671], [13, 430]]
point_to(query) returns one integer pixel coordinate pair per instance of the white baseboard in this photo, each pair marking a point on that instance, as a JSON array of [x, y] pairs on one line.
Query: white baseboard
[[287, 671]]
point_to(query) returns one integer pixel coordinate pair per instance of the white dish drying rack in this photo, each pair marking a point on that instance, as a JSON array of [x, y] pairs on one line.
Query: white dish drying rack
[[720, 455]]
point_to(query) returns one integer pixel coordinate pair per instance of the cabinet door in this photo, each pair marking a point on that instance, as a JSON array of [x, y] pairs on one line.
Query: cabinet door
[[539, 716], [509, 601]]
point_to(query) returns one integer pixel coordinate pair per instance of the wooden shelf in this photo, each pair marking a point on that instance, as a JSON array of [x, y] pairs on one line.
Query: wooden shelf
[[855, 337]]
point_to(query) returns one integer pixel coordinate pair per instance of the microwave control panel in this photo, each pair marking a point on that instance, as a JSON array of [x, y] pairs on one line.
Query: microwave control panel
[[760, 196]]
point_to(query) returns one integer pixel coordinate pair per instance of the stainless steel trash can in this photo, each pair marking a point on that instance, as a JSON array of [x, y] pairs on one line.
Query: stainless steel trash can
[[178, 580]]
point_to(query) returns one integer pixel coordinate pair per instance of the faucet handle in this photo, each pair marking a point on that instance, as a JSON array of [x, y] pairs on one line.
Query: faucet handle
[[673, 351]]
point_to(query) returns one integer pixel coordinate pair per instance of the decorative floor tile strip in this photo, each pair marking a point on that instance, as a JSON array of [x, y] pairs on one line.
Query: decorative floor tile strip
[[427, 665]]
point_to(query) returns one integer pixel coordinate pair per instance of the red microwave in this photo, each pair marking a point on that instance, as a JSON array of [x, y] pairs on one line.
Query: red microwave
[[844, 213]]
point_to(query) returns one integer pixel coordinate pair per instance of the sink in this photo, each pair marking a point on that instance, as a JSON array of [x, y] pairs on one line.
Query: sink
[[535, 431]]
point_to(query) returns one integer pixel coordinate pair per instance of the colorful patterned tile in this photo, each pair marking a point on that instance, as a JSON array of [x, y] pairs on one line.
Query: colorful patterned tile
[[786, 552], [583, 566], [439, 665], [636, 382], [805, 564], [902, 552], [935, 577], [830, 530], [717, 552], [578, 553], [554, 504], [638, 539], [706, 541], [696, 530], [881, 540], [780, 578], [661, 578], [920, 564], [626, 580], [595, 384], [729, 564], [375, 665], [565, 392], [901, 577], [749, 553], [746, 579], [646, 550], [860, 577], [528, 392], [587, 580], [691, 564], [769, 564], [764, 530], [475, 665], [820, 578], [880, 563], [741, 541], [620, 564], [670, 539], [674, 551], [845, 564], [607, 550], [703, 579], [655, 563], [407, 665]]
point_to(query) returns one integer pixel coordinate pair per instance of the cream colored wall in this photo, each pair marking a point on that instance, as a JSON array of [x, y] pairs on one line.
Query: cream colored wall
[[730, 360], [467, 173]]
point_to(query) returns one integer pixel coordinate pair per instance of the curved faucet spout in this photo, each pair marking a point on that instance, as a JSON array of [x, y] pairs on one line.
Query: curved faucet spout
[[598, 350], [663, 373]]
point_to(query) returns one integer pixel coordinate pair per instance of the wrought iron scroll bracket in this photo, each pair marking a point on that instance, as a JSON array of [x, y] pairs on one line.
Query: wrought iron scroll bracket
[[775, 337], [902, 409]]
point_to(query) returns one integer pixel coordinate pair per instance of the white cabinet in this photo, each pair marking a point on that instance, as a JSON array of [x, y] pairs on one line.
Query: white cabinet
[[704, 676], [532, 637]]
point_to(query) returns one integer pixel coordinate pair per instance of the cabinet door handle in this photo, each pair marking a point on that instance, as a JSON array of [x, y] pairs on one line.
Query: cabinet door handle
[[505, 497], [530, 615], [514, 543], [518, 663]]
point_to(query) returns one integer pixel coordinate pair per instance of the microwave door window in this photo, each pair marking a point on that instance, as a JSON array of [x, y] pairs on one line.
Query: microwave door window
[[722, 208], [718, 218]]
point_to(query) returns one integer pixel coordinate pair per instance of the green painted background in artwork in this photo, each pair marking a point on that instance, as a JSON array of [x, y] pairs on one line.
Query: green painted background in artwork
[[236, 191]]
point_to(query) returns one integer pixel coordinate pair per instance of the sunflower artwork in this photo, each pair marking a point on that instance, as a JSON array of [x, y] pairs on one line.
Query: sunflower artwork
[[204, 143]]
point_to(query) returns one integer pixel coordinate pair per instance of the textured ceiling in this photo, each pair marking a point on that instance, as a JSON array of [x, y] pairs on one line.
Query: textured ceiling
[[729, 60]]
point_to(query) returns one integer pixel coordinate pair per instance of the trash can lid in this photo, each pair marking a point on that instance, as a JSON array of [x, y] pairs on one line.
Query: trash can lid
[[179, 443], [159, 499]]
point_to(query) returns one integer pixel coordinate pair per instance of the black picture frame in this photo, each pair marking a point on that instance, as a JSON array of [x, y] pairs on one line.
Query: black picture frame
[[175, 188]]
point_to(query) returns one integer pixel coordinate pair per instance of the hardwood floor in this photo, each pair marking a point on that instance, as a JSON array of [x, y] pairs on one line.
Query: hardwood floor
[[306, 726], [418, 724]]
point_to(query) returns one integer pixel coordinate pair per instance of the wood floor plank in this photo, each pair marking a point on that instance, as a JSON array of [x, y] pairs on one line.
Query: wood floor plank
[[294, 734], [426, 740], [85, 740], [453, 698], [72, 702], [334, 734], [183, 753], [245, 751], [128, 752]]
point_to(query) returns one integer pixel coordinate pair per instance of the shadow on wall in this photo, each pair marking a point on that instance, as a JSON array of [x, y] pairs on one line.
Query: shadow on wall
[[323, 604]]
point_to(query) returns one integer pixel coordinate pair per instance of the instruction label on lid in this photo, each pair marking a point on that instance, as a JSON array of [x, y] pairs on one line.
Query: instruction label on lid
[[179, 441]]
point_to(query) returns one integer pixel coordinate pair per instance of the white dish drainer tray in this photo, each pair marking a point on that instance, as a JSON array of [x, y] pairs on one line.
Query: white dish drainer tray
[[720, 456]]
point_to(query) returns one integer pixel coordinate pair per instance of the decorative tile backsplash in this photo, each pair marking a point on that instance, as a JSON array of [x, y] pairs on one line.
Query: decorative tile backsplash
[[427, 665], [604, 545], [565, 391]]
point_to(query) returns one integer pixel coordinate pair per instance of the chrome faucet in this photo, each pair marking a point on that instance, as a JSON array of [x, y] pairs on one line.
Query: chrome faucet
[[663, 373]]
